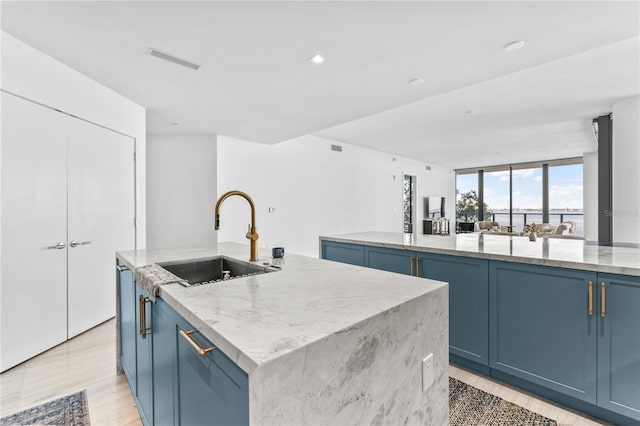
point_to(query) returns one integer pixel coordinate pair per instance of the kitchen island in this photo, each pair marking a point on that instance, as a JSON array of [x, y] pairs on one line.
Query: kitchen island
[[555, 317], [314, 343]]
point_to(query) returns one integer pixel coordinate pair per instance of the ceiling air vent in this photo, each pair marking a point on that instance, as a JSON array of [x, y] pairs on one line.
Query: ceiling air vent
[[336, 148], [171, 58]]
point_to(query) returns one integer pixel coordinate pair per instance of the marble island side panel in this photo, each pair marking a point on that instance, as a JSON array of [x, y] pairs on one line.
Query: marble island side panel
[[369, 373]]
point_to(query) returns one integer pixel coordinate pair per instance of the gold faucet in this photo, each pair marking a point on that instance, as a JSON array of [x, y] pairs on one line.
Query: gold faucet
[[252, 235]]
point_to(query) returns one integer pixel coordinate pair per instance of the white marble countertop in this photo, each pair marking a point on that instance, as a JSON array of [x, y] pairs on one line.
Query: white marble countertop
[[255, 320], [573, 254]]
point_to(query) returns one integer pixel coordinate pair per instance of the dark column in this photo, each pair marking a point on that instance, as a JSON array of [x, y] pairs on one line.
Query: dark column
[[605, 199]]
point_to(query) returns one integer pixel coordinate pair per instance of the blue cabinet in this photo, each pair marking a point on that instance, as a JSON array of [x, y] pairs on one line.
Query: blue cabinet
[[392, 260], [136, 351], [144, 355], [618, 315], [468, 280], [543, 327], [210, 388], [164, 362], [345, 253], [126, 299]]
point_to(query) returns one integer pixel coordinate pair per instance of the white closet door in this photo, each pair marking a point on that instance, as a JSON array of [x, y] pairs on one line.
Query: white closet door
[[33, 290], [101, 215]]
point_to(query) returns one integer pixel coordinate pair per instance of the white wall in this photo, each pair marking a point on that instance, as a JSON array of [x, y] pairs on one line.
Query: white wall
[[31, 74], [181, 191], [316, 191], [590, 195], [626, 171]]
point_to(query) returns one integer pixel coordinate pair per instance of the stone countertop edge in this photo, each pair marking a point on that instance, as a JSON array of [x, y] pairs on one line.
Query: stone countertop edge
[[376, 239], [238, 347]]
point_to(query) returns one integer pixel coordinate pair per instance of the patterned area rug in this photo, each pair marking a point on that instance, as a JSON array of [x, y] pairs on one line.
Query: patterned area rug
[[471, 406], [69, 410]]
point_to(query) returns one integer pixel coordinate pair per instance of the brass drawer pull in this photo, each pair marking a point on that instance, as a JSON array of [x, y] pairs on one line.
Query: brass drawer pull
[[142, 301], [194, 345], [603, 301], [411, 263], [590, 297]]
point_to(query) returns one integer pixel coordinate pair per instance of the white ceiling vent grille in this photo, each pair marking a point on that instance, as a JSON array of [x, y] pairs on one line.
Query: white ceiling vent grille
[[337, 148], [171, 58]]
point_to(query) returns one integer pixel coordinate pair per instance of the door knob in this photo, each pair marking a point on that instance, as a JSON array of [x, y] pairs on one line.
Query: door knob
[[58, 246], [75, 243]]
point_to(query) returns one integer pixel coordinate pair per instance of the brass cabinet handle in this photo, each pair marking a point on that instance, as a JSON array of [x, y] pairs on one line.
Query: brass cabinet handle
[[603, 301], [411, 263], [590, 297], [417, 266], [142, 301], [194, 345]]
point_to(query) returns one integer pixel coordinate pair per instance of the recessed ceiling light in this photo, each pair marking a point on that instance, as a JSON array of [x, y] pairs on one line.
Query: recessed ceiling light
[[513, 46], [171, 58], [317, 59], [416, 82]]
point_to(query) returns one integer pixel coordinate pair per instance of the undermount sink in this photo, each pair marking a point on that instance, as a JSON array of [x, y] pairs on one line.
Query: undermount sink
[[215, 269]]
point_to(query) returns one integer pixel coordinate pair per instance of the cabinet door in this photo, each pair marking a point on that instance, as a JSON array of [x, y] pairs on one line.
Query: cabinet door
[[345, 253], [164, 360], [128, 330], [619, 344], [468, 280], [34, 218], [392, 260], [211, 389], [101, 219], [144, 351], [541, 329]]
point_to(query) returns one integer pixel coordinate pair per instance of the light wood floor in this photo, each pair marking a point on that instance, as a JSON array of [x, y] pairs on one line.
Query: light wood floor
[[89, 362]]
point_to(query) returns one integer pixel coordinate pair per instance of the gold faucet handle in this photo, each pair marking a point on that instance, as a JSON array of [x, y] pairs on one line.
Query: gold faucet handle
[[251, 234]]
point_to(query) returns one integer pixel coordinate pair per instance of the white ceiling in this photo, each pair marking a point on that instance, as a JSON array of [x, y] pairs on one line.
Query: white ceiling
[[255, 82]]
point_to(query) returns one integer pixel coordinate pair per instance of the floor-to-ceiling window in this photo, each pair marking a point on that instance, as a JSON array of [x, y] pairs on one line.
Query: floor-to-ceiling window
[[517, 194], [408, 191], [565, 195], [526, 192], [496, 196], [466, 200]]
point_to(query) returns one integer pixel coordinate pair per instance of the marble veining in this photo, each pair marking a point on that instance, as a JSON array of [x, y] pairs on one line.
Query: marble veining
[[572, 254]]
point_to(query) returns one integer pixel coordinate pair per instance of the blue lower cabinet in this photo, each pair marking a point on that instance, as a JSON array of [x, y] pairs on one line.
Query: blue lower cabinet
[[164, 362], [144, 366], [210, 388], [468, 280], [619, 344], [542, 328], [345, 253], [392, 260], [127, 324]]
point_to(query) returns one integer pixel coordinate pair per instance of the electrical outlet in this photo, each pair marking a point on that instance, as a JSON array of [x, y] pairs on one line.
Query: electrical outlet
[[272, 210], [427, 372]]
